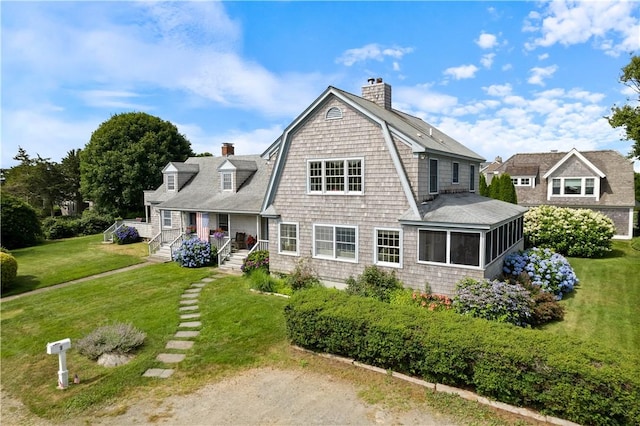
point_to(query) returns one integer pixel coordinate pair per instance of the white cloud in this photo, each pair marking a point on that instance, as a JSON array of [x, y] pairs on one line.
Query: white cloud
[[487, 41], [612, 26], [421, 98], [461, 72], [396, 66], [113, 99], [539, 74], [499, 90], [252, 142], [507, 67], [372, 51], [543, 56], [487, 60]]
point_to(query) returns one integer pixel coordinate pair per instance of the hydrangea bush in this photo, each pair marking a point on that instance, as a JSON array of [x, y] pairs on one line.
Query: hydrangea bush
[[193, 253], [493, 300], [573, 232], [259, 259], [545, 268], [126, 235]]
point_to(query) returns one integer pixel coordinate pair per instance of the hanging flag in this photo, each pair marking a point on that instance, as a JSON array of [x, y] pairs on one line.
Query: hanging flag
[[202, 224]]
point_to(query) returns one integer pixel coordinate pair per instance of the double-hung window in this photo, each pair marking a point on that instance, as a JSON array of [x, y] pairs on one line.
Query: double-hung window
[[171, 182], [166, 219], [335, 242], [337, 176], [288, 239], [472, 178], [227, 181], [388, 247]]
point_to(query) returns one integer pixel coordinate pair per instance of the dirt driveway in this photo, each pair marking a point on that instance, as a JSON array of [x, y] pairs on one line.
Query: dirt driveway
[[261, 396]]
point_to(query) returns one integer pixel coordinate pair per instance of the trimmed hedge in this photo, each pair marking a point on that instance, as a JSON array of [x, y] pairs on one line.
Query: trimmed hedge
[[556, 375], [8, 270]]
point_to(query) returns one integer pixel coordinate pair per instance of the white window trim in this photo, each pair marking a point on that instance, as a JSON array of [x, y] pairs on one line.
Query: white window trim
[[596, 187], [162, 218], [174, 177], [323, 176], [455, 181], [518, 181], [375, 248], [334, 257], [335, 117], [437, 176], [289, 253], [222, 175], [448, 252]]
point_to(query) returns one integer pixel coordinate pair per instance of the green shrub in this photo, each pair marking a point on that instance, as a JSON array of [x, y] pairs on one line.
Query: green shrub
[[55, 228], [303, 276], [93, 222], [545, 306], [261, 280], [8, 269], [558, 375], [20, 223], [374, 282], [572, 232], [117, 338], [258, 259]]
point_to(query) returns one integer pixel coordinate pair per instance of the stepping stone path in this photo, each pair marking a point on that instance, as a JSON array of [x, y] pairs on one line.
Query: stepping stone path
[[188, 330]]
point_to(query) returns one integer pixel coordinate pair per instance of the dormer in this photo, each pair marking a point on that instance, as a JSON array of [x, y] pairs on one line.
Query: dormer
[[234, 173], [523, 175], [176, 175], [574, 176]]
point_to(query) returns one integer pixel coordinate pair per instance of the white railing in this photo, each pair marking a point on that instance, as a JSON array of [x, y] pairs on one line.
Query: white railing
[[260, 245], [176, 243], [155, 243], [107, 235], [165, 236], [224, 251]]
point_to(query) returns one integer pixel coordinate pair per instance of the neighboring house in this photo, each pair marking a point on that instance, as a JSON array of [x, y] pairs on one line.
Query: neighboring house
[[596, 180], [203, 194], [357, 182], [489, 170]]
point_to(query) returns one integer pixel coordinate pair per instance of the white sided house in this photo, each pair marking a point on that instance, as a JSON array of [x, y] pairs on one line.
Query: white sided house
[[598, 180], [357, 183]]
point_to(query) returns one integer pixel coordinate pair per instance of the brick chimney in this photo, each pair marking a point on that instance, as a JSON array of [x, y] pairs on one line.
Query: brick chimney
[[377, 91], [227, 149]]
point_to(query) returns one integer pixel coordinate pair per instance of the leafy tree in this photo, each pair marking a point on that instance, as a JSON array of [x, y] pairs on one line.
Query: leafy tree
[[627, 116], [20, 223], [37, 181], [484, 189], [70, 169], [125, 156], [501, 188]]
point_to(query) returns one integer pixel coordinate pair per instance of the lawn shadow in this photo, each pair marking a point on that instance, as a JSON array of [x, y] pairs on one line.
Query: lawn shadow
[[22, 284], [613, 254]]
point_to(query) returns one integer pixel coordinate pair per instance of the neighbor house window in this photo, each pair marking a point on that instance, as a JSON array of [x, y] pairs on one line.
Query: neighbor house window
[[340, 176], [171, 182], [472, 178], [388, 247], [335, 242], [582, 186], [457, 248], [227, 181], [166, 219], [433, 176], [455, 173], [288, 238]]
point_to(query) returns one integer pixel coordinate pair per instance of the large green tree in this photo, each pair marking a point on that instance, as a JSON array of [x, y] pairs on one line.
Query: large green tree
[[37, 181], [628, 116], [125, 156], [20, 223], [70, 169]]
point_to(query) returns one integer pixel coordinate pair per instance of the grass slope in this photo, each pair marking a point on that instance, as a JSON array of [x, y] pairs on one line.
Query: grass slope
[[55, 262], [606, 305]]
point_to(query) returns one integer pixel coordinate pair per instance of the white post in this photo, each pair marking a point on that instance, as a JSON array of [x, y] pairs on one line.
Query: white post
[[60, 347]]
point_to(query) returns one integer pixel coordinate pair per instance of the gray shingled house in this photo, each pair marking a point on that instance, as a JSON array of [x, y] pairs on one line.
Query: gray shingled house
[[208, 193], [596, 180], [357, 182]]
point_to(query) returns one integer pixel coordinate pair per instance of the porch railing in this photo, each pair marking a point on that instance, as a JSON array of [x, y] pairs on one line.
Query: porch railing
[[224, 251], [107, 235], [260, 245], [163, 237], [176, 243]]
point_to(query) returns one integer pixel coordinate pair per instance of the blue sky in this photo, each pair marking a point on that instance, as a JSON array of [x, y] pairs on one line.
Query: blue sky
[[500, 77]]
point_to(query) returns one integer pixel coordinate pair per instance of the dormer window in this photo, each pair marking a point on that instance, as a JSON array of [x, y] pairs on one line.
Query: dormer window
[[334, 113], [171, 182], [227, 181], [574, 187]]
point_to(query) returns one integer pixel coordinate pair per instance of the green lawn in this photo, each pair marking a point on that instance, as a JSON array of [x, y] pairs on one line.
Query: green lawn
[[606, 304], [55, 262]]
